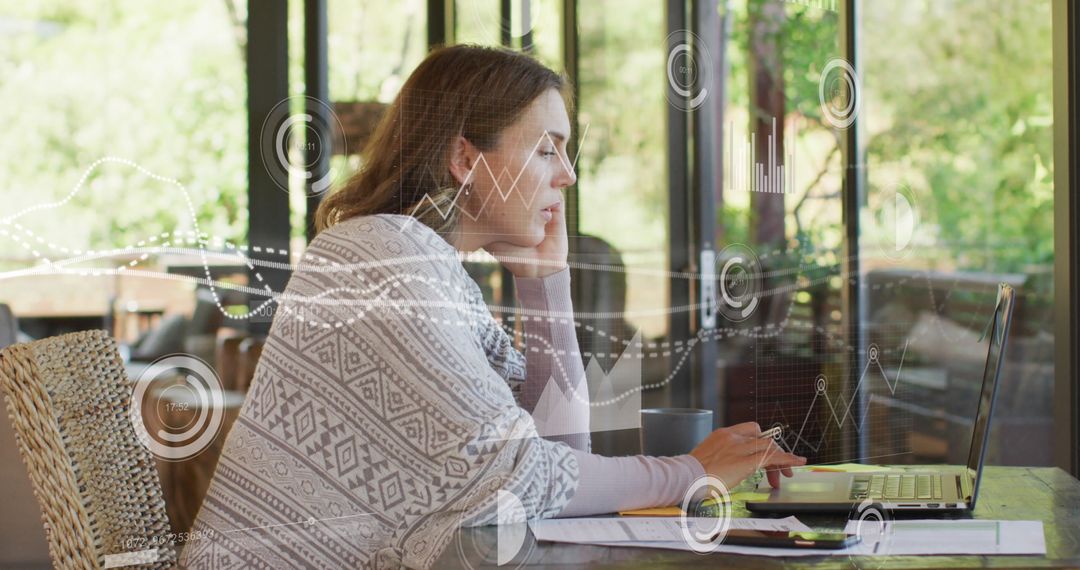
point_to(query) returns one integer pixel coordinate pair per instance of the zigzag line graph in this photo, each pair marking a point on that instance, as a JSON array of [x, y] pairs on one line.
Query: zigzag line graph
[[152, 245], [791, 440], [55, 267], [504, 196]]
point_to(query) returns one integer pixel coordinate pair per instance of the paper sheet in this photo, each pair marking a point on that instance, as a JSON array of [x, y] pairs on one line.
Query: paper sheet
[[949, 537], [632, 531], [908, 537]]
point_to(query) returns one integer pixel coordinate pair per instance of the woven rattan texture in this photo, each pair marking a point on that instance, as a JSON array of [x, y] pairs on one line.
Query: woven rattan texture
[[69, 399]]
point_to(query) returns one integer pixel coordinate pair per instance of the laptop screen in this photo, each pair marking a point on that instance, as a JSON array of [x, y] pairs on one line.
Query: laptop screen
[[998, 335]]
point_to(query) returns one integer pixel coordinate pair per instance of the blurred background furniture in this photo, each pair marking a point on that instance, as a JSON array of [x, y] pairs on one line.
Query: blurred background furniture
[[233, 355], [68, 397], [929, 415], [9, 327], [177, 333], [22, 542], [607, 339], [184, 483]]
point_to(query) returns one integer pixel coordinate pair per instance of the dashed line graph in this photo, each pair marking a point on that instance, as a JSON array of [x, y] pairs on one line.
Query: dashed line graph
[[196, 232], [155, 245], [170, 242]]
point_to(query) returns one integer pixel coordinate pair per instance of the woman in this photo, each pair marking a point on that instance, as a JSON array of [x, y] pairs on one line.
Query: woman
[[388, 406]]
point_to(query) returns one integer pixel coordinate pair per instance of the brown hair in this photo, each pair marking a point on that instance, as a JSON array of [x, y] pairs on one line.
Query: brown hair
[[471, 91]]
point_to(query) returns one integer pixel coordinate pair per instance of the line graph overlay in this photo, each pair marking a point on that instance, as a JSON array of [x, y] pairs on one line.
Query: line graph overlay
[[422, 129], [505, 182], [813, 400], [12, 229]]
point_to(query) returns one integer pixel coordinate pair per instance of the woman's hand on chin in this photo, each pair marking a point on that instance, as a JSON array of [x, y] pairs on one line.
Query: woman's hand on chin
[[734, 453], [546, 258]]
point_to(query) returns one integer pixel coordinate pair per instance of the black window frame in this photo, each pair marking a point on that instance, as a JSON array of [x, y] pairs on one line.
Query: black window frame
[[690, 179]]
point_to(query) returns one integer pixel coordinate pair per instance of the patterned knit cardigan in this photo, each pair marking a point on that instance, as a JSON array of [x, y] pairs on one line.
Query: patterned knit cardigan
[[382, 415]]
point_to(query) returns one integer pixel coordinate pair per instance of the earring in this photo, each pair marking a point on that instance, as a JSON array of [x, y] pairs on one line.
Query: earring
[[468, 188]]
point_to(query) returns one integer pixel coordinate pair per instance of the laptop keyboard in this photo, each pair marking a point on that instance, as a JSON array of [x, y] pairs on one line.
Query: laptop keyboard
[[896, 487]]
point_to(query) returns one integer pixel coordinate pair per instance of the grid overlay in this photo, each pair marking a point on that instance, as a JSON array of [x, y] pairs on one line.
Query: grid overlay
[[511, 182], [812, 397]]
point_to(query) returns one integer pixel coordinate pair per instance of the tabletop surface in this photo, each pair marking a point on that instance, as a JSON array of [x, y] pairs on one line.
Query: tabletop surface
[[1047, 494]]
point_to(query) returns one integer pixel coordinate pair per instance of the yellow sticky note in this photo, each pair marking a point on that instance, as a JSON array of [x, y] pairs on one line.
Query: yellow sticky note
[[676, 511], [742, 496], [749, 496], [847, 468], [654, 512]]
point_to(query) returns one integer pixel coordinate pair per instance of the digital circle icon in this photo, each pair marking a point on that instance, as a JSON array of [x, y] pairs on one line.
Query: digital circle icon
[[873, 526], [777, 430], [503, 547], [299, 145], [895, 220], [840, 93], [902, 219], [190, 407], [703, 534], [511, 528], [739, 282], [689, 70]]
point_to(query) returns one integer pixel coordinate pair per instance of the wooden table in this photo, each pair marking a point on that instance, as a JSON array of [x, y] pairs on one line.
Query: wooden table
[[1007, 493]]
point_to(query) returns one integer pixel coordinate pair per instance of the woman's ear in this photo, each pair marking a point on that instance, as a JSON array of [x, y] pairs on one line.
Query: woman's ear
[[463, 159]]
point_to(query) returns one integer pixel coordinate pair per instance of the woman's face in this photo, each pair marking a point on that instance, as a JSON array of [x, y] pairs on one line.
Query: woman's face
[[516, 187]]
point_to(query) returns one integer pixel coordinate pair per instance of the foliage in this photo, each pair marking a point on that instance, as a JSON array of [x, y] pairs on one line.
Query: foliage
[[622, 172], [961, 110], [159, 84], [957, 106]]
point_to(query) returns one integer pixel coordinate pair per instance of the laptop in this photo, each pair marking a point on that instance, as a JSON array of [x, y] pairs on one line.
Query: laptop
[[936, 489]]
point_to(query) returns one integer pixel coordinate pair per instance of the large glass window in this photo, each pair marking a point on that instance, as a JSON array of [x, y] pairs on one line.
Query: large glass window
[[534, 25], [622, 170], [477, 22], [952, 102], [129, 140], [372, 47], [957, 118], [124, 203], [780, 226], [622, 282]]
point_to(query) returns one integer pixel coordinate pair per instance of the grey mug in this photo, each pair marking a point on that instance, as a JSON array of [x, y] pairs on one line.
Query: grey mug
[[673, 431]]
